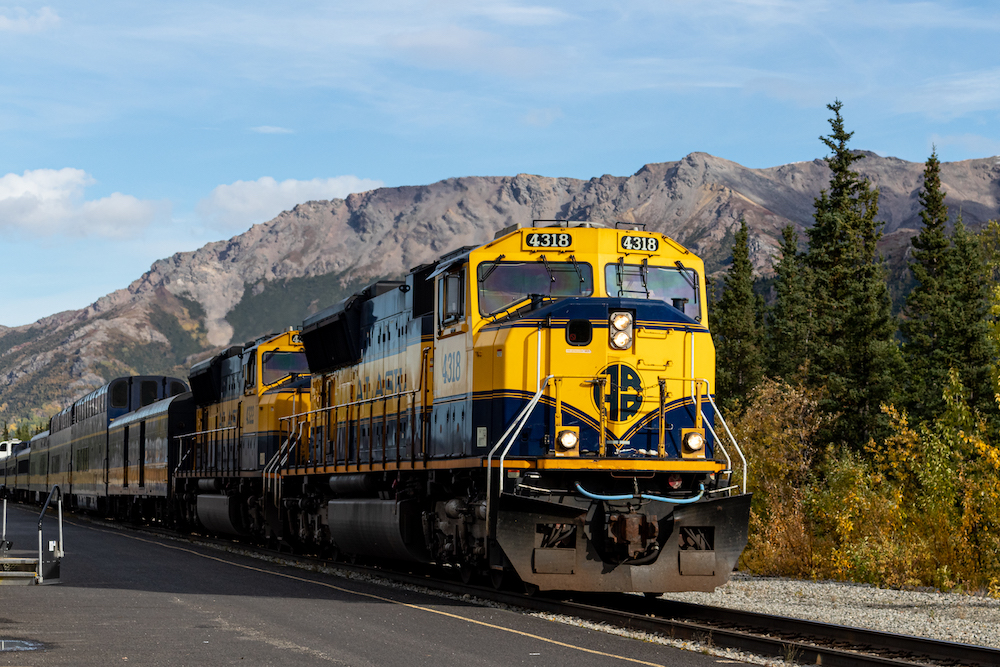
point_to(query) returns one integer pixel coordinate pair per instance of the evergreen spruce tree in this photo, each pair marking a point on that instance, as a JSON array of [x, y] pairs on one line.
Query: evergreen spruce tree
[[946, 320], [736, 329], [790, 336], [928, 311], [989, 238], [969, 344], [855, 356]]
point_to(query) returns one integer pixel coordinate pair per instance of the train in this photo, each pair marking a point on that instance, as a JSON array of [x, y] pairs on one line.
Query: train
[[7, 447], [74, 452], [538, 408]]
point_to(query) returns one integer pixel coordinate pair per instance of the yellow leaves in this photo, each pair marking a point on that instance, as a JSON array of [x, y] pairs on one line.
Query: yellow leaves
[[993, 589], [989, 453], [899, 454], [921, 505]]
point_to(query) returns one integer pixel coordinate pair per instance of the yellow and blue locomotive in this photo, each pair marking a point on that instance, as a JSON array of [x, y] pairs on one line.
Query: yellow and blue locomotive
[[541, 404], [239, 396]]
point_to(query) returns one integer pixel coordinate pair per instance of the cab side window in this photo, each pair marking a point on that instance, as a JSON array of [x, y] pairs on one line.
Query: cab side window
[[250, 372], [148, 392], [119, 394], [451, 297]]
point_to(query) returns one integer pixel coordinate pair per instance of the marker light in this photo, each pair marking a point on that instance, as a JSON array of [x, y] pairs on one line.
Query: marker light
[[567, 440], [694, 442]]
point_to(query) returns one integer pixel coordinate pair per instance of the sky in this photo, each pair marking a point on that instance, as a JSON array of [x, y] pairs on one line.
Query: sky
[[131, 131]]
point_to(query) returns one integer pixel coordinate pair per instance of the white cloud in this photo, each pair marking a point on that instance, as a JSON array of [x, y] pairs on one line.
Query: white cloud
[[271, 129], [957, 95], [542, 117], [244, 203], [453, 47], [519, 15], [24, 22], [49, 202]]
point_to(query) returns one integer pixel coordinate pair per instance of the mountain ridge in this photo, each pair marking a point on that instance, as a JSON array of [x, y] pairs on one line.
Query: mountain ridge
[[309, 257]]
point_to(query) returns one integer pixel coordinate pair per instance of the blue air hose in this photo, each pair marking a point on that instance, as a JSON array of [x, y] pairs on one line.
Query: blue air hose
[[644, 496]]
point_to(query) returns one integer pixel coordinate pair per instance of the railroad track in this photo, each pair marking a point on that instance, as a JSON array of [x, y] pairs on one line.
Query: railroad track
[[804, 642], [800, 641]]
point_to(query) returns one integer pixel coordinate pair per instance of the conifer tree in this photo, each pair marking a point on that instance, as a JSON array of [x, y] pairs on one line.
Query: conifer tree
[[990, 239], [737, 331], [969, 342], [855, 355], [791, 319], [927, 315], [945, 325]]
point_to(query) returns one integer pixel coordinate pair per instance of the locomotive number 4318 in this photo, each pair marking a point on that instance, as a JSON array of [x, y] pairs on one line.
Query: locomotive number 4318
[[640, 243], [548, 240]]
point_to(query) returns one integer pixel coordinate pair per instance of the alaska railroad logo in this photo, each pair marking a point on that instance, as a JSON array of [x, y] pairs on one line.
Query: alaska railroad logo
[[622, 392]]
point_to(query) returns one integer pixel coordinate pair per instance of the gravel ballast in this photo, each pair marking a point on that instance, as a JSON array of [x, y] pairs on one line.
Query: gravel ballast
[[969, 619]]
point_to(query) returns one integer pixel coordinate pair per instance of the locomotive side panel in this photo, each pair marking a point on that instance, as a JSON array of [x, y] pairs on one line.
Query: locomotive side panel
[[451, 413]]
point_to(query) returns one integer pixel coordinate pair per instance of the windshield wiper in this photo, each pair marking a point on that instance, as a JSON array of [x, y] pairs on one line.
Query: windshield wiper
[[496, 263], [576, 266], [552, 277], [692, 281]]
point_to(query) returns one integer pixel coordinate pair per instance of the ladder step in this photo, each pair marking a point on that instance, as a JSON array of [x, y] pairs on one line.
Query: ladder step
[[17, 578], [18, 561]]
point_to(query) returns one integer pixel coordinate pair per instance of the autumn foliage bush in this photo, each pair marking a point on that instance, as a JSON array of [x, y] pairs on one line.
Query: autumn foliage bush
[[920, 507], [775, 430]]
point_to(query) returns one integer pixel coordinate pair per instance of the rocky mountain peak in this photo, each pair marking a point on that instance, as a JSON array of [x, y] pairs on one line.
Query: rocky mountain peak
[[305, 259]]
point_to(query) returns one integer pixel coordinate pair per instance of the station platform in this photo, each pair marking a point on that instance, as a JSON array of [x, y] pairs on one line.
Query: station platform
[[126, 597]]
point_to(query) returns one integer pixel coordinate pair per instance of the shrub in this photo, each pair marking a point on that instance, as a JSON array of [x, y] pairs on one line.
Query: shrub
[[775, 430]]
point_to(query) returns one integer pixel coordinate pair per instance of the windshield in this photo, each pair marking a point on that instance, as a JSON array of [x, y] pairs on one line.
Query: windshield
[[678, 287], [282, 364], [502, 284]]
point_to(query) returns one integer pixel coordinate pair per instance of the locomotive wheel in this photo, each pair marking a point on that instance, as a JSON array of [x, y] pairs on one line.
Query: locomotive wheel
[[468, 574], [498, 578]]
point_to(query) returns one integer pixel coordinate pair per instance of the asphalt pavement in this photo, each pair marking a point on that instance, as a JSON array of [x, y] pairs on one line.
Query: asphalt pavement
[[126, 597]]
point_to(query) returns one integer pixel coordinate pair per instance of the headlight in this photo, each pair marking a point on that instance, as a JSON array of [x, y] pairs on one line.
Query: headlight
[[621, 330], [694, 442], [567, 440], [621, 340], [621, 321]]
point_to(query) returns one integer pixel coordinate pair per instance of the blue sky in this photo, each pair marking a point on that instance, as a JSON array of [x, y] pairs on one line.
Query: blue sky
[[130, 131]]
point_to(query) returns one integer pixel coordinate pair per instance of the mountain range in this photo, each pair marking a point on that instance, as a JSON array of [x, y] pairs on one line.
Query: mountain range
[[192, 304]]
